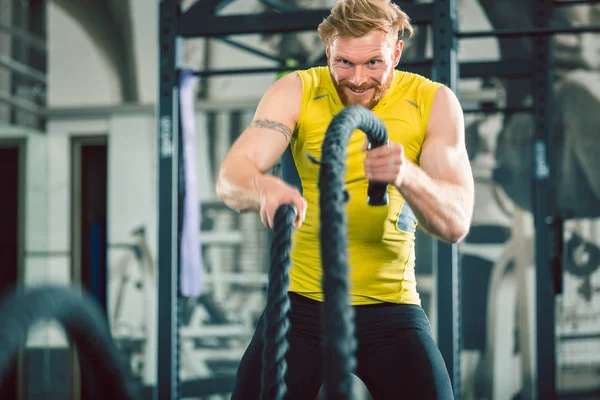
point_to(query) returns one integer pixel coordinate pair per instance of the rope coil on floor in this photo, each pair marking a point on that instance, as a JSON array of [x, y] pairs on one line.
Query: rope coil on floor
[[83, 322], [339, 343]]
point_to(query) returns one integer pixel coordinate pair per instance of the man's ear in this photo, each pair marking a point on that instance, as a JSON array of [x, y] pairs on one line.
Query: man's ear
[[398, 51]]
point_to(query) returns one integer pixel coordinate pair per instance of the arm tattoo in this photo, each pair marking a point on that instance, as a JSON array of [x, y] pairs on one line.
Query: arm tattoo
[[277, 126]]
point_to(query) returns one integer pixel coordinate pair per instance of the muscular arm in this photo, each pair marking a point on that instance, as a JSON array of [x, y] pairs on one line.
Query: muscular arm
[[441, 192], [258, 148]]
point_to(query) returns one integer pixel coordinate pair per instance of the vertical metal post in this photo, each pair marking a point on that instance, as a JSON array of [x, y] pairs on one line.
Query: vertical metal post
[[545, 353], [168, 190], [446, 260]]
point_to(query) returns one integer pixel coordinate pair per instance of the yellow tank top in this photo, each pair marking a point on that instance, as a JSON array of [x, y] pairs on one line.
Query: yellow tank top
[[381, 251]]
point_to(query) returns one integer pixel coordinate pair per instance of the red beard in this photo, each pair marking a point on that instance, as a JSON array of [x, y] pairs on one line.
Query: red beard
[[378, 91]]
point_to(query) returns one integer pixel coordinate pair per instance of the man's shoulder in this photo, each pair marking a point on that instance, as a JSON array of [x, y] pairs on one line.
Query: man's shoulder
[[417, 88], [316, 83], [416, 81], [314, 76]]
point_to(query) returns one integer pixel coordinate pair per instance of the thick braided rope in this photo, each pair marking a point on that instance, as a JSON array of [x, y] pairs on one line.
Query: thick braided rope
[[339, 342], [84, 323], [276, 324]]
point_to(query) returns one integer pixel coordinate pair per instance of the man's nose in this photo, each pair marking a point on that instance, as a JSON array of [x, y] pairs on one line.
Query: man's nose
[[359, 77]]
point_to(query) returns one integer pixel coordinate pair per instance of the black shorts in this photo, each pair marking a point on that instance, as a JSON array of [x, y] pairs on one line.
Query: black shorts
[[397, 356]]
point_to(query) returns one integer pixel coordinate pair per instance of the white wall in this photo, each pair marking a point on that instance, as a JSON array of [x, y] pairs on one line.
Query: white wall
[[145, 31], [78, 74]]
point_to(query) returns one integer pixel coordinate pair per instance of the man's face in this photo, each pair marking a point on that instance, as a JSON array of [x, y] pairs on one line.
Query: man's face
[[362, 67]]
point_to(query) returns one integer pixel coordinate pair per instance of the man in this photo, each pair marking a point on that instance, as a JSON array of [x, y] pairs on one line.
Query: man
[[430, 181]]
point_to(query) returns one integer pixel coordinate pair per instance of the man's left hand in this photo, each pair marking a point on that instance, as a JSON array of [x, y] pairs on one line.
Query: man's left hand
[[385, 164]]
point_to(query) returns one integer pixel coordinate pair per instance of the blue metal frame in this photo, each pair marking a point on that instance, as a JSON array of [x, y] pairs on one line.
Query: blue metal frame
[[201, 20], [168, 214], [446, 261], [544, 385]]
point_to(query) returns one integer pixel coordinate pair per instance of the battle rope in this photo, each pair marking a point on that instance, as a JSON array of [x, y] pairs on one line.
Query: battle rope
[[338, 343], [85, 325], [276, 323], [337, 317]]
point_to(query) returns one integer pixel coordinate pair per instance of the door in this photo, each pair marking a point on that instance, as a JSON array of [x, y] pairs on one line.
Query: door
[[11, 237], [89, 203]]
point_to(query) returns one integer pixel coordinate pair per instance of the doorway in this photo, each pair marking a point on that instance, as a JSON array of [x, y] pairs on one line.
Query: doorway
[[88, 231], [12, 176]]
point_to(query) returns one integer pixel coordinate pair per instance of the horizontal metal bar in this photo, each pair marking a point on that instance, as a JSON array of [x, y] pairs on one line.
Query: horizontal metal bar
[[507, 69], [251, 49], [21, 104], [245, 278], [47, 254], [497, 110], [246, 71], [279, 6], [210, 7], [221, 238], [580, 394], [267, 70], [22, 69], [416, 64], [579, 336], [513, 33], [206, 331], [559, 3], [195, 22], [484, 94], [100, 112], [35, 41]]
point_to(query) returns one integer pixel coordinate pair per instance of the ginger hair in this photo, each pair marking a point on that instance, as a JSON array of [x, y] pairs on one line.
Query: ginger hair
[[356, 18]]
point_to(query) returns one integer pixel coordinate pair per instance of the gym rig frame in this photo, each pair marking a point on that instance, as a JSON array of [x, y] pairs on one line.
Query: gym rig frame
[[202, 20]]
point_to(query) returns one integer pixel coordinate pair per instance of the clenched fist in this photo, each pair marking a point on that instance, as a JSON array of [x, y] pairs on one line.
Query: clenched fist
[[385, 164]]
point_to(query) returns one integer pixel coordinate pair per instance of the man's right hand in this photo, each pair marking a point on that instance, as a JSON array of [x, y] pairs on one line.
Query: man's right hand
[[273, 193]]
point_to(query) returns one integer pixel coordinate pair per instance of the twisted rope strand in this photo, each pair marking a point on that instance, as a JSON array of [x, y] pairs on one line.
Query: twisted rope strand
[[339, 342], [276, 324]]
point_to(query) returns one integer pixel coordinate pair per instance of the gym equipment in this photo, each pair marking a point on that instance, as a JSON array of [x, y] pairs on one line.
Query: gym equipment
[[203, 20]]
